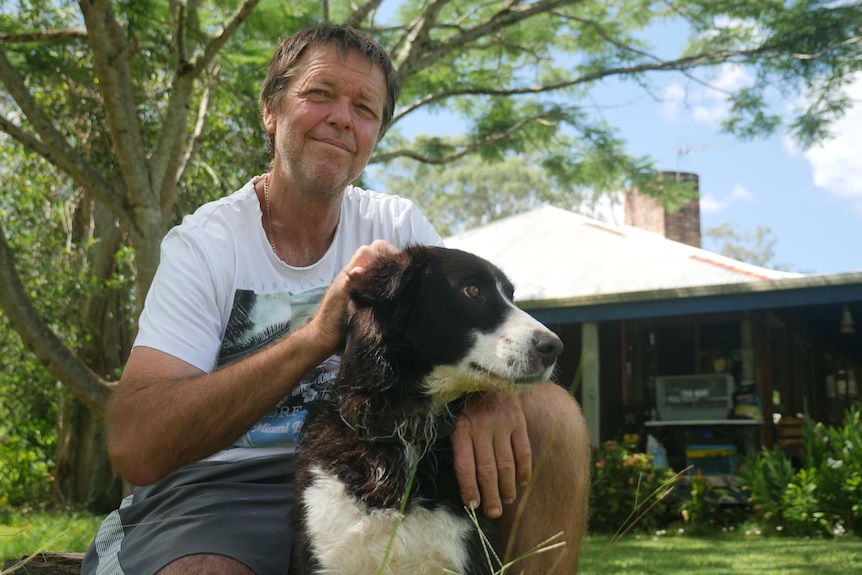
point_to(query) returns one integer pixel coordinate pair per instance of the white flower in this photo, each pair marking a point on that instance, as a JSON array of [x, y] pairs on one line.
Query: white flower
[[834, 463]]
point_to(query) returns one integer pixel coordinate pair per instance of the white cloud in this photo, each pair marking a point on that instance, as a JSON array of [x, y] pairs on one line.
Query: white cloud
[[706, 104], [739, 192], [837, 164], [673, 98], [711, 204]]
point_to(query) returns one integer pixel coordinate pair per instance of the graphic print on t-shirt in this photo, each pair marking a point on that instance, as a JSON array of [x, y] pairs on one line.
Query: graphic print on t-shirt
[[256, 320]]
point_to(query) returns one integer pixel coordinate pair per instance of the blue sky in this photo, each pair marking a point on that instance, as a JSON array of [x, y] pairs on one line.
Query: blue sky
[[810, 200]]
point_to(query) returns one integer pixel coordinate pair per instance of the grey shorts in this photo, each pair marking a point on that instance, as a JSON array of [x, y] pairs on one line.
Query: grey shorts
[[238, 509]]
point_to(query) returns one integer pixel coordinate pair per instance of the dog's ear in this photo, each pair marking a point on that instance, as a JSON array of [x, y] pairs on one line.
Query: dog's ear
[[386, 285]]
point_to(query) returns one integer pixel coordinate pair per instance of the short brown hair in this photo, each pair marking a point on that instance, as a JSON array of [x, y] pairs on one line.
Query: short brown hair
[[285, 61]]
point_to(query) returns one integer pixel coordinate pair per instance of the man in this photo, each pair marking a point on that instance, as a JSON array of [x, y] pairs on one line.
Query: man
[[242, 325]]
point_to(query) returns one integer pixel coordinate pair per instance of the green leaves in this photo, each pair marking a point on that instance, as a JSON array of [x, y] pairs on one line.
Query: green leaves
[[822, 497]]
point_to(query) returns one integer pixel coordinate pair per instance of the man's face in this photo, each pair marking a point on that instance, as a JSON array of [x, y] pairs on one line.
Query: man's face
[[327, 121]]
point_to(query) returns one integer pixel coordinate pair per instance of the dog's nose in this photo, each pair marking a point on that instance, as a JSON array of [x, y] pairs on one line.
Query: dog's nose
[[548, 345]]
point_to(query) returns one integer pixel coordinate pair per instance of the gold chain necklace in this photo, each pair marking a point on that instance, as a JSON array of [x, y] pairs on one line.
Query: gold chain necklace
[[269, 216]]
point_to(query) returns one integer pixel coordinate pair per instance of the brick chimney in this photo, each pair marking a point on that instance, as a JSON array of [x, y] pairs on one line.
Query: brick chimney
[[645, 212]]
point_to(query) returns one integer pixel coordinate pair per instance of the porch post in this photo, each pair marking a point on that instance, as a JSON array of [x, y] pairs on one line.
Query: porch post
[[747, 327], [590, 366]]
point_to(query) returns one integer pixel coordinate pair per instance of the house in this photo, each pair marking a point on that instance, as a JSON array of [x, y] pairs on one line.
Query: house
[[661, 334]]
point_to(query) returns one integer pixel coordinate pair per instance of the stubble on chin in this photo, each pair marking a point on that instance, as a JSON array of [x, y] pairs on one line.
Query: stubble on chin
[[319, 175], [317, 181]]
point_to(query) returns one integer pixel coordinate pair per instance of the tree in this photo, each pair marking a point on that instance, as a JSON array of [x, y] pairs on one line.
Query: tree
[[134, 112], [754, 247], [468, 192]]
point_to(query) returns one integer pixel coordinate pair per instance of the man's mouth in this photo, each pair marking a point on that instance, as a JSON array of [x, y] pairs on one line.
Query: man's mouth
[[335, 143]]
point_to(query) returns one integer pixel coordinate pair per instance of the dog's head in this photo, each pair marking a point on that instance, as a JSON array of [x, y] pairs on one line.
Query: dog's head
[[446, 318]]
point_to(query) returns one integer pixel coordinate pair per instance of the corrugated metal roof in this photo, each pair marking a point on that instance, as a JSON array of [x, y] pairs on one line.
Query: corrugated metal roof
[[550, 253]]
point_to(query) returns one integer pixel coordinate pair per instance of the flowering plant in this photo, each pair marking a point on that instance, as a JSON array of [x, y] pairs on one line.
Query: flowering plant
[[628, 490]]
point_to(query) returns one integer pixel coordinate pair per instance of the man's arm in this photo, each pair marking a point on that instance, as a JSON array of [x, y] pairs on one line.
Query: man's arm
[[167, 413]]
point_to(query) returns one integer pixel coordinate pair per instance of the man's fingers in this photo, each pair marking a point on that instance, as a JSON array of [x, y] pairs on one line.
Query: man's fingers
[[507, 482], [523, 453], [465, 463], [487, 474], [365, 255], [493, 455]]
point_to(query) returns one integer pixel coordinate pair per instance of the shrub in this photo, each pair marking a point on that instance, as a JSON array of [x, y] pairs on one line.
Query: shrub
[[25, 471], [28, 425], [628, 490], [705, 505], [765, 475], [821, 498]]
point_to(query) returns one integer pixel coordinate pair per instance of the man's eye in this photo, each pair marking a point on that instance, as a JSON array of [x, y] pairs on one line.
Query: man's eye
[[367, 111], [472, 291]]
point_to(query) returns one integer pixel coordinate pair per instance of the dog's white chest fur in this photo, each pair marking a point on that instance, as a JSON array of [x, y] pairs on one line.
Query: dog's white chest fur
[[349, 539]]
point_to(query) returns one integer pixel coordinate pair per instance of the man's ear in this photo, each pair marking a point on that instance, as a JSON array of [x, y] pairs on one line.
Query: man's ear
[[270, 120]]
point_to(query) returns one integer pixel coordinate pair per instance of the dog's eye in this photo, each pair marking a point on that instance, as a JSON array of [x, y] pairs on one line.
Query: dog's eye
[[472, 292]]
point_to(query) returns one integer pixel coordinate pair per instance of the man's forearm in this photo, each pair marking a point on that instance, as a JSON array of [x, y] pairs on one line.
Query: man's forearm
[[163, 417]]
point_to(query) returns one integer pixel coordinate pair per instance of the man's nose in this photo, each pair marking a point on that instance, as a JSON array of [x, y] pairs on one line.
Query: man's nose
[[341, 113]]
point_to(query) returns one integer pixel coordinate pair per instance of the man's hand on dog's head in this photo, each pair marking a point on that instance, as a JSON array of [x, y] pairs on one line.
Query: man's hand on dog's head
[[492, 451], [366, 255], [328, 322]]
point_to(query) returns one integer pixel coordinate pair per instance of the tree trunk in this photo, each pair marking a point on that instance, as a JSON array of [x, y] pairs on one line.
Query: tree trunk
[[83, 473], [47, 564]]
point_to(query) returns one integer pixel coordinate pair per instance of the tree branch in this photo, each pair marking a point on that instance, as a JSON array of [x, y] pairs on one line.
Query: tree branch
[[178, 10], [607, 37], [416, 38], [360, 13], [166, 162], [508, 16], [192, 142], [61, 361], [110, 55], [678, 65], [219, 40], [474, 146], [847, 42], [59, 35], [51, 143]]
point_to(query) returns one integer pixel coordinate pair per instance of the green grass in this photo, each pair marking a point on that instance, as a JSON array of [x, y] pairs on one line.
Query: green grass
[[721, 554], [23, 534], [718, 554]]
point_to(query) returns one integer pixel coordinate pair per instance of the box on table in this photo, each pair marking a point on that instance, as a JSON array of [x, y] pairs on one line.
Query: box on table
[[694, 397]]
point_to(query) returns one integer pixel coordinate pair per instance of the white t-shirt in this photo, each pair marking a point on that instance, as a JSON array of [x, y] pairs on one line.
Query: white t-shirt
[[220, 293]]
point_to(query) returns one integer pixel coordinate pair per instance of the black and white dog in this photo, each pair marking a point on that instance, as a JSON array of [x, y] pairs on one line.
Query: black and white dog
[[425, 328]]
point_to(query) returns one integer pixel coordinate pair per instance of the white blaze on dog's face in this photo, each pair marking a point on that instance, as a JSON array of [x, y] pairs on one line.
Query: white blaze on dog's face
[[484, 341]]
